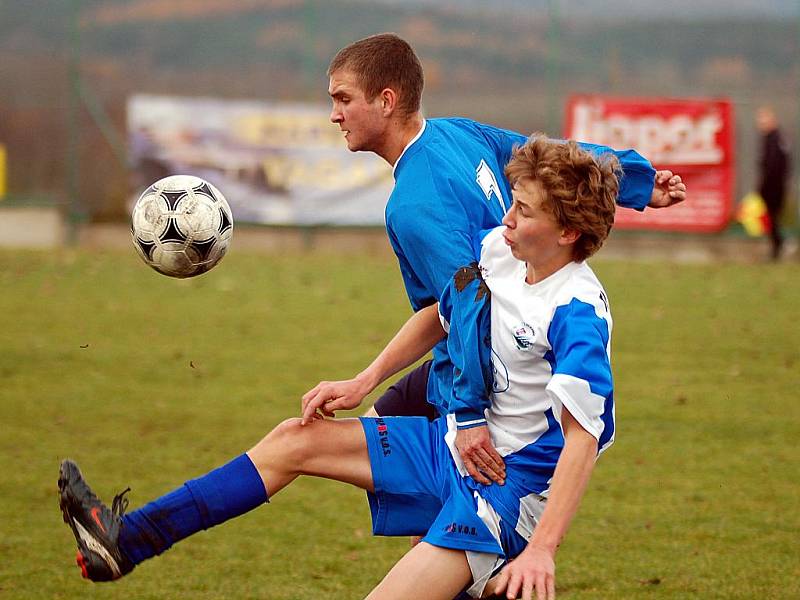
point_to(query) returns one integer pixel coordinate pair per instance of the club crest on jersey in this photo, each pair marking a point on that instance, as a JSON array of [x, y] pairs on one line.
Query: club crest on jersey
[[488, 182], [523, 335]]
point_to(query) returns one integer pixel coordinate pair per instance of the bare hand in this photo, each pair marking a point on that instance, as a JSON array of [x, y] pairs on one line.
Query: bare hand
[[479, 456], [535, 569], [329, 396], [668, 190]]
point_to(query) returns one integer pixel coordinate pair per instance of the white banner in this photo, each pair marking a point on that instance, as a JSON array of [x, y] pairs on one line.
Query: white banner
[[276, 163]]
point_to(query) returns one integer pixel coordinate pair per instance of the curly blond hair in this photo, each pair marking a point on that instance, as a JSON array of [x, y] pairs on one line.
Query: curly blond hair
[[580, 189]]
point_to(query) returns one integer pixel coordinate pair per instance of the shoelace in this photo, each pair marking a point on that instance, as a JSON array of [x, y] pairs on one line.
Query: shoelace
[[120, 503]]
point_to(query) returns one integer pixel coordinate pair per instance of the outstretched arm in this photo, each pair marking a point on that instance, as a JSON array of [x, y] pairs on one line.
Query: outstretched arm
[[416, 338], [534, 568], [641, 185]]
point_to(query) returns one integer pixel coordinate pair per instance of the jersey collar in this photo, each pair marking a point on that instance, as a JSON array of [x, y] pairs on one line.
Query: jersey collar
[[552, 279], [411, 143]]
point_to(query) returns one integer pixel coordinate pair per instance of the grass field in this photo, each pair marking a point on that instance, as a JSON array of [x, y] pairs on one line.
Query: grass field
[[148, 381]]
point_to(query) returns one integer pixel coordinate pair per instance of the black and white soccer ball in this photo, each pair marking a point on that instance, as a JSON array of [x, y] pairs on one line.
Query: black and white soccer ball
[[182, 226]]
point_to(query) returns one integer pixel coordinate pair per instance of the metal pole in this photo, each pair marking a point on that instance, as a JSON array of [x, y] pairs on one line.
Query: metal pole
[[74, 206], [104, 123], [552, 77], [309, 55]]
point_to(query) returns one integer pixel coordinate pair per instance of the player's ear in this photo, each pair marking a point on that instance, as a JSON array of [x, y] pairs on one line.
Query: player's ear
[[569, 236], [388, 99]]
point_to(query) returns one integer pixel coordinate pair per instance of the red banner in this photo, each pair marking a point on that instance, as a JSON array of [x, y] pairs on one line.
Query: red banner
[[693, 138]]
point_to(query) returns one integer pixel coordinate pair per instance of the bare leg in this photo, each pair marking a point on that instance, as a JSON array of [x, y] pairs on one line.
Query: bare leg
[[425, 571], [334, 449]]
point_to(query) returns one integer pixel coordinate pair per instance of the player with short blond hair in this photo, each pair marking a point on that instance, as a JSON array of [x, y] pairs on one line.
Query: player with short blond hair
[[449, 185]]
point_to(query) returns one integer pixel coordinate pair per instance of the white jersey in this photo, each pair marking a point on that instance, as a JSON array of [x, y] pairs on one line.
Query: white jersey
[[550, 348]]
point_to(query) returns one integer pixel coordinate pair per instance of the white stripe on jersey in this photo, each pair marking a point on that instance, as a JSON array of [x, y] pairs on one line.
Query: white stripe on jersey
[[564, 389], [483, 564]]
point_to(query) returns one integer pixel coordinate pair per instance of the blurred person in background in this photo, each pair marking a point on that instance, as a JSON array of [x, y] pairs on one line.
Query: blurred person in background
[[773, 167]]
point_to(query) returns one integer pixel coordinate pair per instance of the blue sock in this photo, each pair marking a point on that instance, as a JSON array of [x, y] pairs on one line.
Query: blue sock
[[222, 494]]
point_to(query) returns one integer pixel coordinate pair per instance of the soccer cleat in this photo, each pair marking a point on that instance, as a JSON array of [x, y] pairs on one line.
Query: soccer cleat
[[95, 526]]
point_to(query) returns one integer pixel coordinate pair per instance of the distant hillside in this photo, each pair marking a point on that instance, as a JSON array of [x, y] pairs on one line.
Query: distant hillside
[[296, 38], [455, 33], [490, 61]]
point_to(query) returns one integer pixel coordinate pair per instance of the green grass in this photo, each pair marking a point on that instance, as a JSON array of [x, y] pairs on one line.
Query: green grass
[[148, 381]]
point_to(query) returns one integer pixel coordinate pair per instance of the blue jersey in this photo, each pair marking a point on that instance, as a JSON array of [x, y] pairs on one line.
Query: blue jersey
[[449, 185]]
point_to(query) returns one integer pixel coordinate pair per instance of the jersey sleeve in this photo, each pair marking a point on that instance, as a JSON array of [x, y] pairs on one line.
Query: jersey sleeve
[[581, 369], [638, 175], [466, 316], [502, 142]]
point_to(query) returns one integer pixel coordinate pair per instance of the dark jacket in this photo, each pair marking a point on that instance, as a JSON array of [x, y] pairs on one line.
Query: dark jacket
[[774, 166]]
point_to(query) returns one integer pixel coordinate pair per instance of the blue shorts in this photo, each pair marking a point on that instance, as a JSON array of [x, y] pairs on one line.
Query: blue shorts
[[408, 396], [419, 491]]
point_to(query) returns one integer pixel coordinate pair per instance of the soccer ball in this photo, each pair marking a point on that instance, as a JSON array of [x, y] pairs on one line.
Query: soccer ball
[[181, 226]]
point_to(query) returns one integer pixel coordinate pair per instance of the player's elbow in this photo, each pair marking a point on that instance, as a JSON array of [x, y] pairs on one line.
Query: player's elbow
[[581, 440]]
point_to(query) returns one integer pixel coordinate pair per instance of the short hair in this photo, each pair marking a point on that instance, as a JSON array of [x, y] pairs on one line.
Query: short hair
[[384, 61], [580, 189]]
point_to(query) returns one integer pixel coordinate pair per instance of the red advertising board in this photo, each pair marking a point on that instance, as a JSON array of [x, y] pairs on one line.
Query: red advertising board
[[693, 138]]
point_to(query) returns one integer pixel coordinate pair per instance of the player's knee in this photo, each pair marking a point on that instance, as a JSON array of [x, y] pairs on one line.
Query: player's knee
[[293, 439], [289, 427], [288, 441], [290, 431]]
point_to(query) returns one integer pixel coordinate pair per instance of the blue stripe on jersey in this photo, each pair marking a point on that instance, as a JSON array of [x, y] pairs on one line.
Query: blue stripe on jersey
[[608, 422], [528, 470], [580, 339], [538, 459]]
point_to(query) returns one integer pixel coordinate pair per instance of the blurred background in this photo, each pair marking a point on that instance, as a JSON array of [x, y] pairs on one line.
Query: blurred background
[[93, 92]]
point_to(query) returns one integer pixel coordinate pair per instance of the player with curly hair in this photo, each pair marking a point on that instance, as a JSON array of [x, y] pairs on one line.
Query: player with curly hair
[[551, 413]]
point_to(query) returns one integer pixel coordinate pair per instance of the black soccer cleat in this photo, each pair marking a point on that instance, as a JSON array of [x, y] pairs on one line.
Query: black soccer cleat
[[95, 526]]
